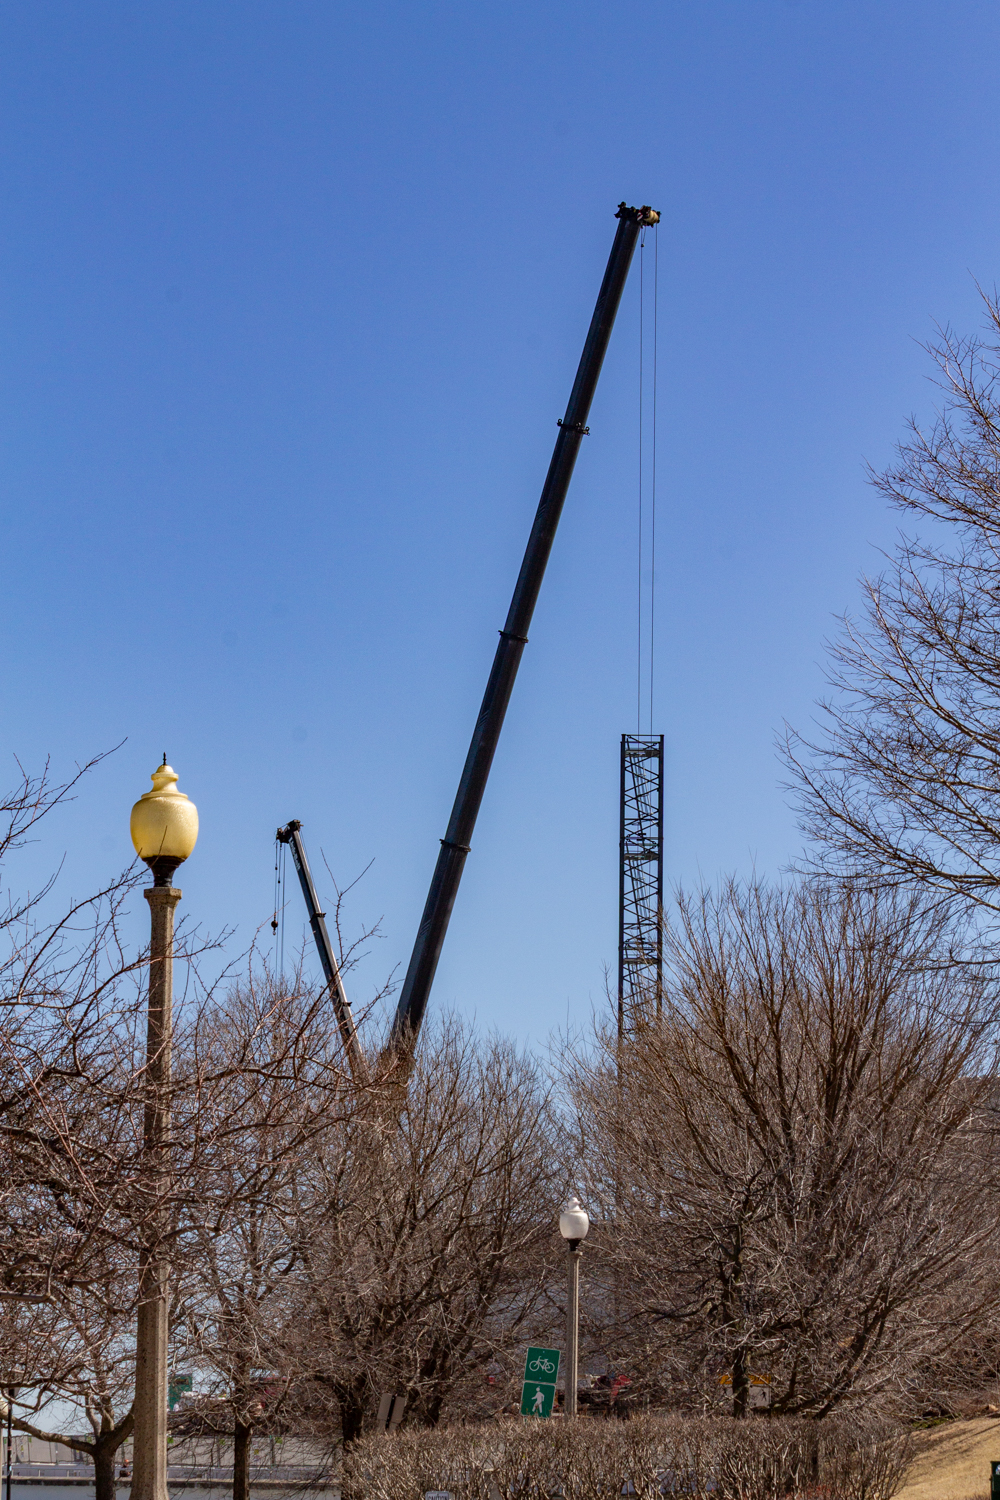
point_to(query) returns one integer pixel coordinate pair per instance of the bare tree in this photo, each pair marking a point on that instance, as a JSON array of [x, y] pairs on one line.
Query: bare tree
[[257, 1074], [787, 1161], [61, 978], [264, 1078], [78, 1346], [901, 781], [78, 1195], [265, 1081], [420, 1231], [69, 996]]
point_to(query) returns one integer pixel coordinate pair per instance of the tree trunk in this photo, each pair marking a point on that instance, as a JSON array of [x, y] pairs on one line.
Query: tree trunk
[[423, 1407], [102, 1451], [741, 1384], [242, 1433], [430, 1415], [105, 1464], [352, 1412], [733, 1304], [814, 1454]]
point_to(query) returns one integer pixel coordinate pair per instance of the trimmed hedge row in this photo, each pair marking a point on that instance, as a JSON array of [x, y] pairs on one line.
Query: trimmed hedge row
[[715, 1458]]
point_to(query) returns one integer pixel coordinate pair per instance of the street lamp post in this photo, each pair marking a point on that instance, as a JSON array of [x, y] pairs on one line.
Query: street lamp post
[[574, 1223], [164, 830], [11, 1393]]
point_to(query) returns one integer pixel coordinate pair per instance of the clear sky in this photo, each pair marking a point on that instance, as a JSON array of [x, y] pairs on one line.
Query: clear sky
[[292, 295]]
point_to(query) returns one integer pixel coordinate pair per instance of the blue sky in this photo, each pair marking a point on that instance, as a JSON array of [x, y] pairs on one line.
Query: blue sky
[[291, 297]]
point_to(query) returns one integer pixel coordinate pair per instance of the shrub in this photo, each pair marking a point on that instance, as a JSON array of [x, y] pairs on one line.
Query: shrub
[[865, 1458], [700, 1458]]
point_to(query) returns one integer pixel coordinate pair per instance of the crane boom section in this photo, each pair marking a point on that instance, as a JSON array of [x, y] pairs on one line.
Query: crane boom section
[[291, 836], [514, 637]]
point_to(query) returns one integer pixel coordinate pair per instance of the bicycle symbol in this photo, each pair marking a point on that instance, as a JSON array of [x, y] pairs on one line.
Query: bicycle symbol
[[541, 1364]]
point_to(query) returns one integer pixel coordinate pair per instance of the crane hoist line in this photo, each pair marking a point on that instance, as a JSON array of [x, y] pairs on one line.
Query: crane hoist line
[[457, 841]]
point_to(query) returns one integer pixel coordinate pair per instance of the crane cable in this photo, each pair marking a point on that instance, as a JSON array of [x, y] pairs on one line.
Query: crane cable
[[652, 542], [646, 634], [278, 917], [642, 323]]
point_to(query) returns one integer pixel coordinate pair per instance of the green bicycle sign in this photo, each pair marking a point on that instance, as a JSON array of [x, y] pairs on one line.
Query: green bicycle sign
[[538, 1393]]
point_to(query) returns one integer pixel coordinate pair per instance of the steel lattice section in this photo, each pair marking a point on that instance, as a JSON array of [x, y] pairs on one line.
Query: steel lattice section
[[640, 883]]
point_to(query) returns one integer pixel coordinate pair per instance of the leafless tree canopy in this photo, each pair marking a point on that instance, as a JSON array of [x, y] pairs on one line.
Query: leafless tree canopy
[[901, 780], [261, 1082], [423, 1232], [78, 1198], [790, 1170], [787, 1162], [69, 1005], [340, 1240]]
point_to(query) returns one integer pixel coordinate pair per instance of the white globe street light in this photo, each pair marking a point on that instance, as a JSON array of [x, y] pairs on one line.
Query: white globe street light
[[574, 1222]]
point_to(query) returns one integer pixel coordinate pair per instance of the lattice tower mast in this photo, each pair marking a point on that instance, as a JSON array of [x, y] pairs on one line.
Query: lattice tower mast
[[640, 879]]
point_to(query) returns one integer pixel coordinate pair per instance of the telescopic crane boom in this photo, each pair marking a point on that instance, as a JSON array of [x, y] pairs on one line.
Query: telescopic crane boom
[[291, 836], [514, 637]]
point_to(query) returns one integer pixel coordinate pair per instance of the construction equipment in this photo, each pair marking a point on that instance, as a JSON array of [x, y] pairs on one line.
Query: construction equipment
[[291, 836], [640, 880], [456, 843]]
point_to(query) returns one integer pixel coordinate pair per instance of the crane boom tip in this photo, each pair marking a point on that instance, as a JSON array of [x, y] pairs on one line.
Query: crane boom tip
[[644, 215]]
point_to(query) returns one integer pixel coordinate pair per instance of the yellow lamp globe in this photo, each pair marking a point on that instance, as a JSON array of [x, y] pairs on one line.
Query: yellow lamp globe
[[164, 825]]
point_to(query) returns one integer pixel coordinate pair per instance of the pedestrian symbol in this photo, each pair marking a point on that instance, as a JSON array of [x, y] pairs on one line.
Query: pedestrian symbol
[[536, 1400], [538, 1393]]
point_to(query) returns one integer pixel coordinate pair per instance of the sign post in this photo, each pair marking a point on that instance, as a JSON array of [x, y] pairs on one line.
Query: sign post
[[538, 1393]]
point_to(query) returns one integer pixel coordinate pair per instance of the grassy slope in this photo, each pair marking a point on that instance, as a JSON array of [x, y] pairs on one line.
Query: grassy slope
[[953, 1461]]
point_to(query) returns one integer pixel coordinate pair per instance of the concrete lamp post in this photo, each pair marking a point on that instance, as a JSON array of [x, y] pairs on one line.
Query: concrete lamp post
[[164, 830], [574, 1222]]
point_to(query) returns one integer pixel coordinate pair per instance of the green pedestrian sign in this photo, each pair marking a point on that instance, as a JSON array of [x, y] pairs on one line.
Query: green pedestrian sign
[[538, 1393], [995, 1480], [177, 1387]]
